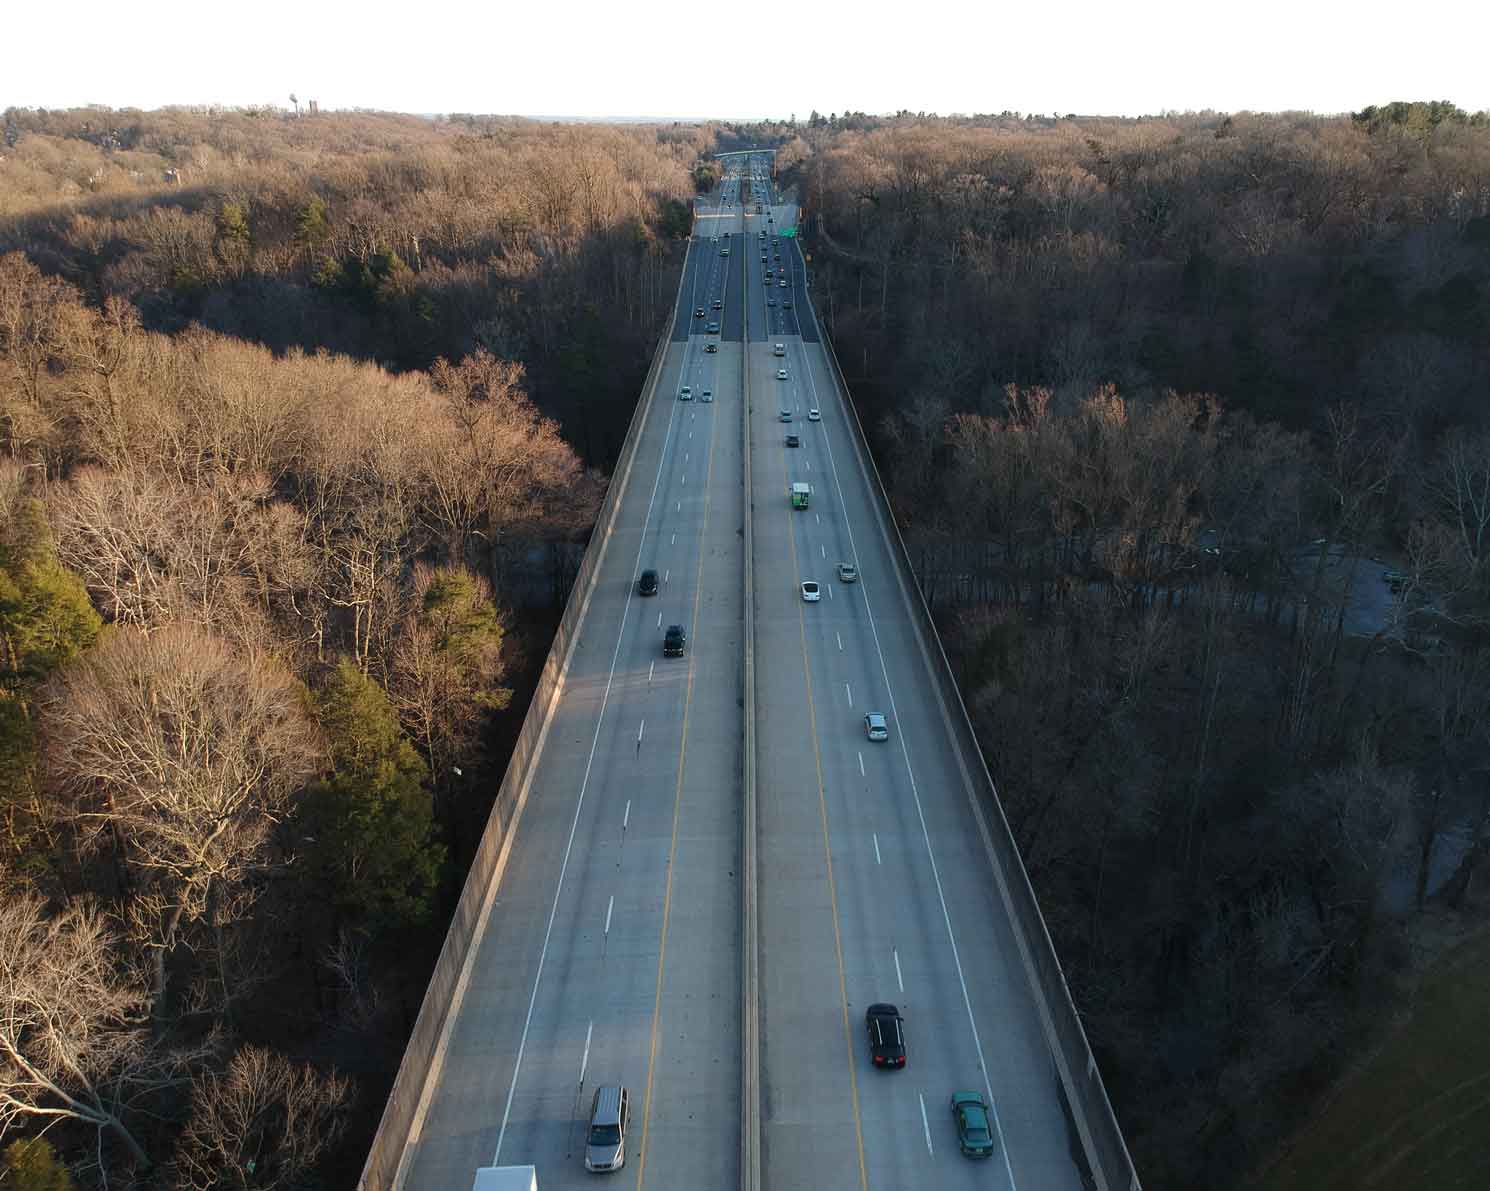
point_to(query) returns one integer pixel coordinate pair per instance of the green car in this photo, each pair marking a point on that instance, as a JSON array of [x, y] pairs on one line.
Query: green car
[[974, 1135]]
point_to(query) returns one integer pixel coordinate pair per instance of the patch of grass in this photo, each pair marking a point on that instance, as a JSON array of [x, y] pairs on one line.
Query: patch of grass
[[1416, 1116]]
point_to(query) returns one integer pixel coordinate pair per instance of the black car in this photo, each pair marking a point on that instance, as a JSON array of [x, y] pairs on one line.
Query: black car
[[886, 1035], [647, 584], [793, 441], [674, 642]]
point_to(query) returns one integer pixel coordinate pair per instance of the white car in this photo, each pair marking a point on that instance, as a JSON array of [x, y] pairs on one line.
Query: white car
[[685, 393], [782, 283], [706, 396], [875, 727], [814, 416], [848, 573], [811, 593], [781, 374]]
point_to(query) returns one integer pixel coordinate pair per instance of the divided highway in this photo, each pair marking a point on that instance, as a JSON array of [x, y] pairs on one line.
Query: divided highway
[[612, 950]]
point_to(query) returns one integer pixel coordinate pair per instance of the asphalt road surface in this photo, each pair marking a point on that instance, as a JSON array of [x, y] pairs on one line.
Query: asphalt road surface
[[611, 953]]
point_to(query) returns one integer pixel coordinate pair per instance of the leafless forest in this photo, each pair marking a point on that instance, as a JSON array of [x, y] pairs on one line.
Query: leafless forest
[[304, 419]]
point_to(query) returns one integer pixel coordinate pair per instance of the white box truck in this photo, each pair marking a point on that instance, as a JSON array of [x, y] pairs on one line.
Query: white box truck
[[506, 1178]]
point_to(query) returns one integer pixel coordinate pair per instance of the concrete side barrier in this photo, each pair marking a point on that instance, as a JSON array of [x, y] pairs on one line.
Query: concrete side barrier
[[404, 1108], [1100, 1148]]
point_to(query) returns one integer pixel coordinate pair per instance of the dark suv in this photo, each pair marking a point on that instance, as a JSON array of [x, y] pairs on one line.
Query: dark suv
[[675, 642], [647, 584], [886, 1035]]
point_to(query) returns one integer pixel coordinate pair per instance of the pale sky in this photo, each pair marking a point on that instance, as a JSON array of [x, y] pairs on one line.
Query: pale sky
[[744, 61]]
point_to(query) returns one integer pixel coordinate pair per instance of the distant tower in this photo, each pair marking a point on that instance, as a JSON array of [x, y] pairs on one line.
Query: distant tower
[[296, 102]]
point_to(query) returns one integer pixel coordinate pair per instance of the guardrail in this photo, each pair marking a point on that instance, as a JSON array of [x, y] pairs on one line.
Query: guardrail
[[381, 1172], [1102, 1154]]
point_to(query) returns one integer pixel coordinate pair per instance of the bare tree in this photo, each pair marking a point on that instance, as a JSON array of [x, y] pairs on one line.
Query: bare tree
[[181, 756], [262, 1124], [75, 1042], [155, 551]]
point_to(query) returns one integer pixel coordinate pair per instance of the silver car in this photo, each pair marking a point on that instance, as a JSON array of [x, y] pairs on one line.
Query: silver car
[[610, 1113], [875, 727]]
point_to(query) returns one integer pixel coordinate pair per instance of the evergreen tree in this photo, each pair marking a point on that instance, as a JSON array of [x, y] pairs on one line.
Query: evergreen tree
[[45, 614], [32, 1165], [233, 243], [372, 819], [312, 225]]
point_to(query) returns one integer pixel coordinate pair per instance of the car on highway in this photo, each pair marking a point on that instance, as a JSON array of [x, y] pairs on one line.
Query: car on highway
[[793, 441], [605, 1143], [974, 1136], [786, 415], [811, 592], [718, 305], [647, 584], [875, 727], [781, 374], [699, 313], [786, 302], [711, 348], [724, 252], [707, 396], [674, 641], [778, 349], [770, 301], [886, 1035], [813, 415], [782, 283], [848, 573], [685, 393]]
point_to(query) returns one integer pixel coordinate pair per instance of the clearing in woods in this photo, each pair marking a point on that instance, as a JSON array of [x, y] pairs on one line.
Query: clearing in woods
[[1418, 1113]]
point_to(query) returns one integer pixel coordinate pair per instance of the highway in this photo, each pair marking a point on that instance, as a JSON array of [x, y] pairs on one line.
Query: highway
[[612, 951]]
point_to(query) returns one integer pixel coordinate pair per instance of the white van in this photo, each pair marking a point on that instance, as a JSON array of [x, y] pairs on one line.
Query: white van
[[779, 349]]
